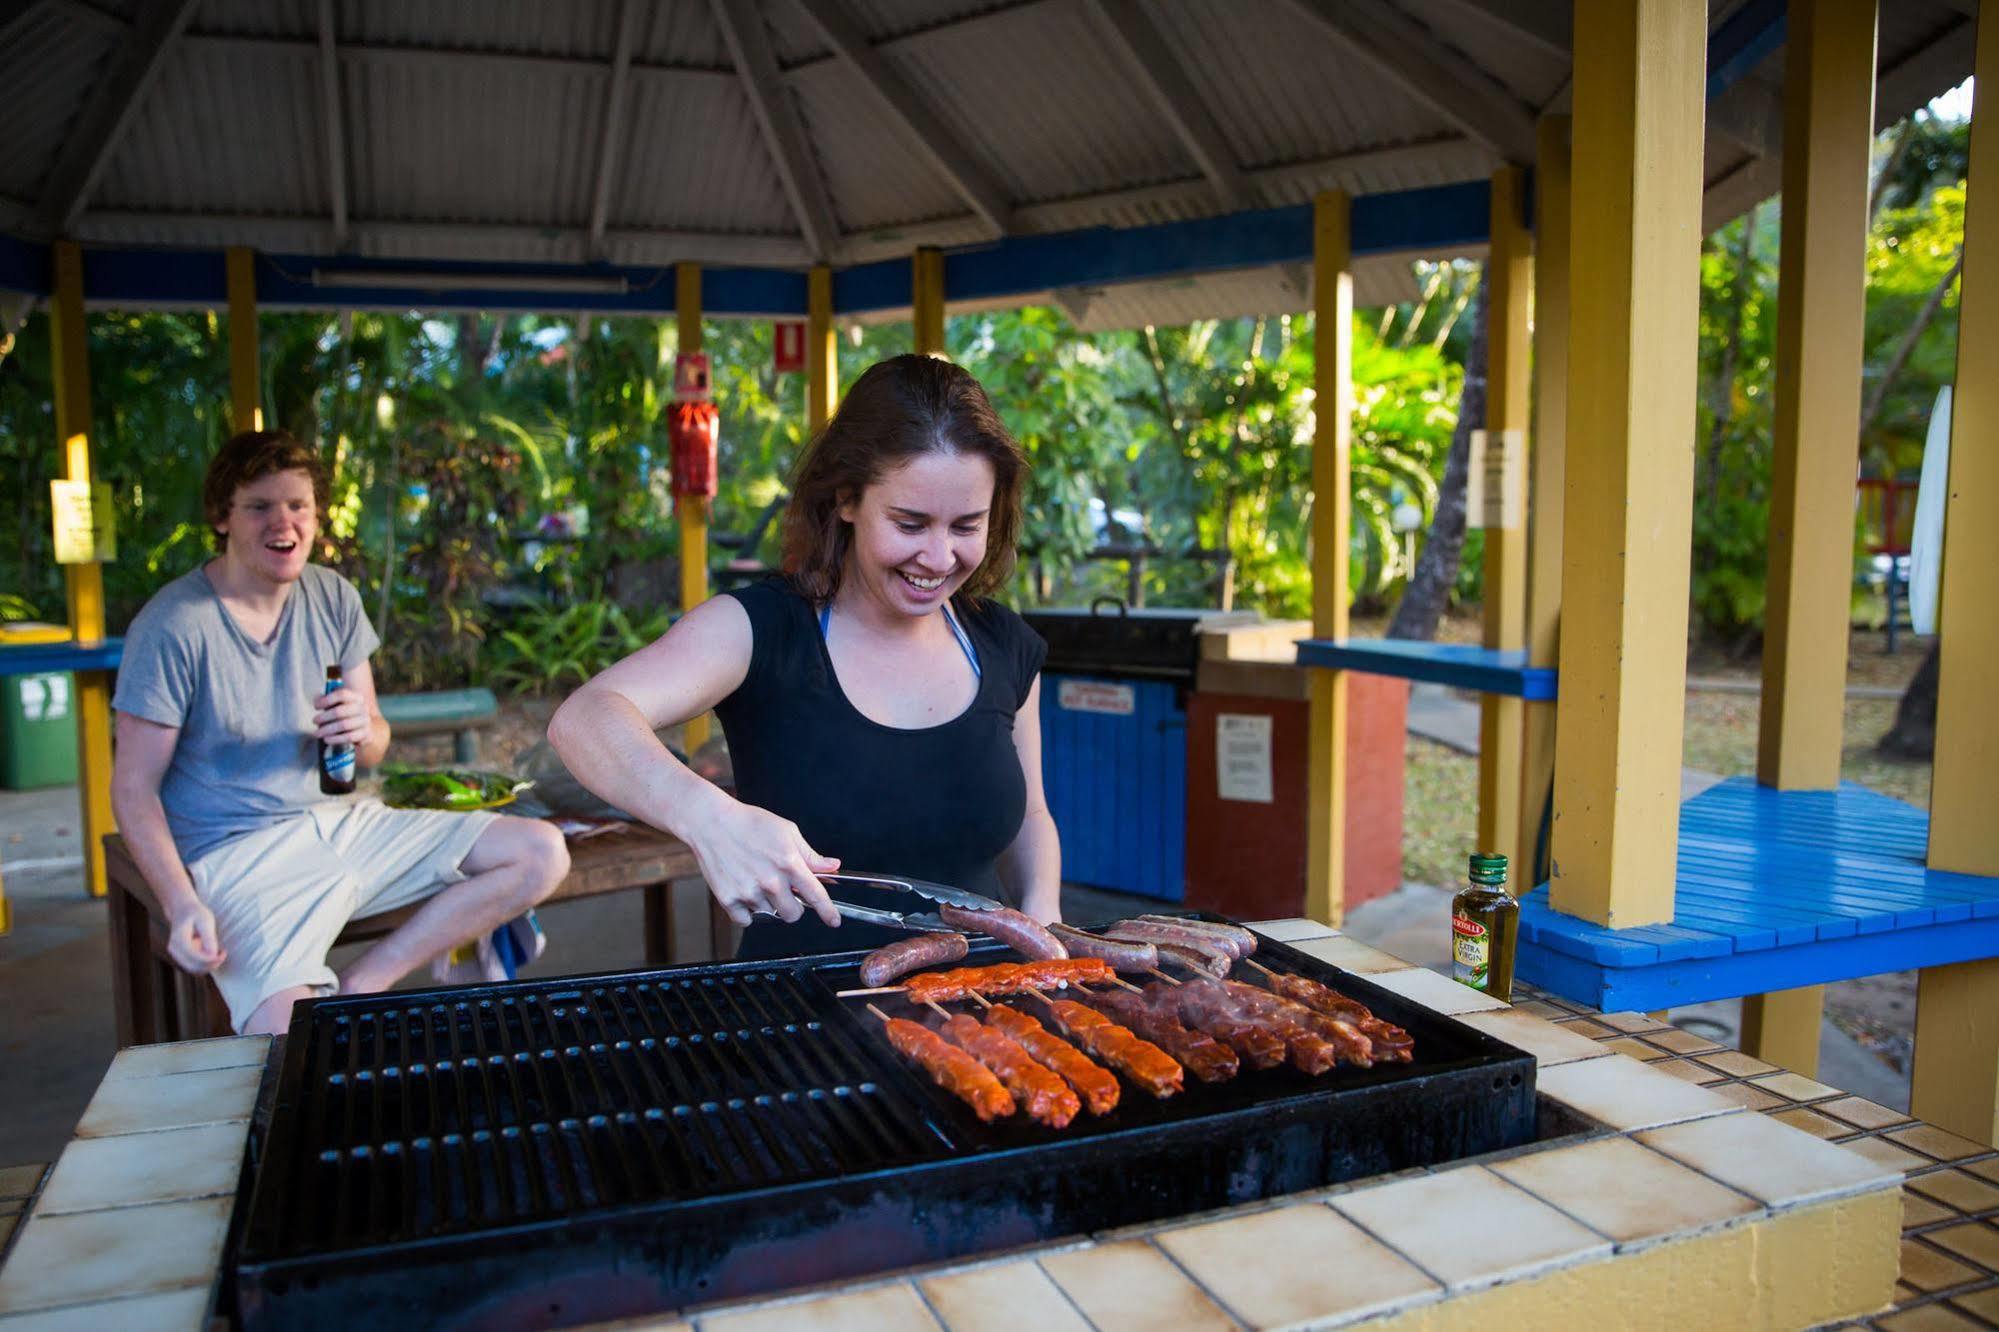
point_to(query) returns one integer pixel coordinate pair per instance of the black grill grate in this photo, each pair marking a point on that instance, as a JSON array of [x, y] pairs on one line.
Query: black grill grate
[[528, 1104]]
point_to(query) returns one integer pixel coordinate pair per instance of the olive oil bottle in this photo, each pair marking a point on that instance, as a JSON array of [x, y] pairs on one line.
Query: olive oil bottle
[[1485, 925]]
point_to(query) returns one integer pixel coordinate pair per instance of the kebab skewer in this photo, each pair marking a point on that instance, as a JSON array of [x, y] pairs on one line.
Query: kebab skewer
[[948, 1066]]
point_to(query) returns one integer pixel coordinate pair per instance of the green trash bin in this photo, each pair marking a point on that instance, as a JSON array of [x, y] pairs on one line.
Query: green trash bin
[[37, 730]]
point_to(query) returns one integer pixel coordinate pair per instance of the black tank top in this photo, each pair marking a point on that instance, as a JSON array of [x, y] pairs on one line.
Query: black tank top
[[938, 803]]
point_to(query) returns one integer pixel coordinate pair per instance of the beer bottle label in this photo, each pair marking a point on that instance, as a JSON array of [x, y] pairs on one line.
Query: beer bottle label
[[337, 760], [1471, 952]]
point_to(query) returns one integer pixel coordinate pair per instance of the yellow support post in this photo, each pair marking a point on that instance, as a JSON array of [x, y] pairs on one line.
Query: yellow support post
[[692, 511], [246, 395], [1509, 277], [927, 297], [1957, 1007], [1332, 520], [822, 348], [1544, 491], [71, 363], [1829, 134], [1634, 239]]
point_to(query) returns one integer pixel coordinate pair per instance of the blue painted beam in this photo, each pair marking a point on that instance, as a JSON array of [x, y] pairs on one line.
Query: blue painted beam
[[41, 658], [1463, 665]]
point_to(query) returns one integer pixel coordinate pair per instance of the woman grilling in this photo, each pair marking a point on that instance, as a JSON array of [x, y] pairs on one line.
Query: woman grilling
[[881, 712]]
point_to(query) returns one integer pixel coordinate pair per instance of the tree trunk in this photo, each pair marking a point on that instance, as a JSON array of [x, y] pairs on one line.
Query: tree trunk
[[1914, 734], [1429, 589], [1723, 406], [1907, 346], [1904, 135]]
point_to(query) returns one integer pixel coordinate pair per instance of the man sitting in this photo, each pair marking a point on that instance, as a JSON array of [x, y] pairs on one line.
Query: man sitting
[[220, 703]]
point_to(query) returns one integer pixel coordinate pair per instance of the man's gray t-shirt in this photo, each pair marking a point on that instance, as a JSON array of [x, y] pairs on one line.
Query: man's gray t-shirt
[[247, 755]]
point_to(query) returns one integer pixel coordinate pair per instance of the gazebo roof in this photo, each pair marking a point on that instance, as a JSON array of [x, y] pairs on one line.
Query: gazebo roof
[[610, 137]]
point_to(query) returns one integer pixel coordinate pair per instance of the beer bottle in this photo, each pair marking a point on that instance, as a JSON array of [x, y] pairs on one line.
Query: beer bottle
[[1485, 926], [336, 762]]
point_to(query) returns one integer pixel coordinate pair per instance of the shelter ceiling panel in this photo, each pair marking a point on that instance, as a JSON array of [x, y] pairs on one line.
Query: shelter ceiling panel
[[683, 35], [223, 131], [874, 175], [575, 28], [461, 142], [1283, 91], [49, 68], [1039, 97], [296, 19], [1271, 290], [694, 159], [797, 41], [1520, 62]]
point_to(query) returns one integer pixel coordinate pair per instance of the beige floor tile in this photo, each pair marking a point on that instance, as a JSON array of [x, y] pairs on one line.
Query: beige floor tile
[[1632, 1022], [1812, 1122], [1548, 1043], [1469, 1228], [1926, 1318], [1920, 1211], [1777, 1166], [1975, 1242], [19, 1181], [1002, 1297], [1862, 1113], [1680, 1042], [1291, 928], [60, 1260], [891, 1308], [1737, 1064], [134, 1168], [175, 1311], [180, 1100], [1745, 1097], [1589, 1027], [1438, 993], [1688, 1070], [1133, 1284], [1882, 1152], [13, 1206], [1654, 1198], [1928, 1270], [1626, 1094], [1540, 1008], [1352, 955], [1961, 1189], [1297, 1264], [1795, 1087], [1986, 1169], [152, 1061], [1984, 1303], [1933, 1141], [1633, 1048]]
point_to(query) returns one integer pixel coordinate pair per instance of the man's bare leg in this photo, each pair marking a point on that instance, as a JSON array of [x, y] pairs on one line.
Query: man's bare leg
[[514, 864], [274, 1016]]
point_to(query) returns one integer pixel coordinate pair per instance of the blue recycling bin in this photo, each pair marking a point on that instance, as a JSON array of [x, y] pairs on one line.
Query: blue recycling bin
[[1114, 767]]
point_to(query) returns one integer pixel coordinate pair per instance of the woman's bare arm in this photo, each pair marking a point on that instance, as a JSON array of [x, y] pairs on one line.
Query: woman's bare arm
[[1031, 866]]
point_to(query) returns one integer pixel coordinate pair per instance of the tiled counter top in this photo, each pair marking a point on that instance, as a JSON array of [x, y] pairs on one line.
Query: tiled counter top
[[1695, 1209]]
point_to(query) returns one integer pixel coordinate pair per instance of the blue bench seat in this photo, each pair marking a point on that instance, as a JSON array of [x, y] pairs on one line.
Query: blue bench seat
[[1774, 890], [1464, 665]]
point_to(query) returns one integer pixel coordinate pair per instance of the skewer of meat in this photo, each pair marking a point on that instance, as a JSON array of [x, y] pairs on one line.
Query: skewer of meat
[[1007, 978], [1307, 1049], [1391, 1043], [1046, 1097], [1201, 1054], [1090, 1080], [948, 1066], [1353, 1046], [1140, 1060], [1257, 1046]]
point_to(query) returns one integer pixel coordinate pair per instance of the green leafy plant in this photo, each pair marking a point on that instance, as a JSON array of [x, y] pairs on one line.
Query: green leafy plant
[[550, 648]]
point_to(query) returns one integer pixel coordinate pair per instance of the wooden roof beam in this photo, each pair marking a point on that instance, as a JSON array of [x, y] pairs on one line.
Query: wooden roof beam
[[1173, 95], [109, 111], [1410, 54], [925, 128], [1549, 24], [743, 32], [333, 125], [611, 135]]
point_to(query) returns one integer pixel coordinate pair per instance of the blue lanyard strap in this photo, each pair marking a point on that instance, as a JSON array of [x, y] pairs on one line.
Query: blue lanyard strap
[[957, 632]]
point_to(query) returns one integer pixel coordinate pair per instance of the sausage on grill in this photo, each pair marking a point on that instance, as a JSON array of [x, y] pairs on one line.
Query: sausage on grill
[[1140, 1060], [892, 961], [1239, 941], [942, 987], [1046, 1097], [951, 1068], [1123, 955], [1090, 1080], [1016, 929]]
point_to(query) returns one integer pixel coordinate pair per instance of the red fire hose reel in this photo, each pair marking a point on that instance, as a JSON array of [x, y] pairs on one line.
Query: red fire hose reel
[[693, 429]]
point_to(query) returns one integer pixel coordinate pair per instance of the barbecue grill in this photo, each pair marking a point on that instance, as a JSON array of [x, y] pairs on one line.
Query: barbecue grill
[[551, 1152]]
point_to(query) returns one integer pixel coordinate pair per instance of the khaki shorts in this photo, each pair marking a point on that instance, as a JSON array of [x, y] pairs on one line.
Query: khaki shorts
[[281, 895]]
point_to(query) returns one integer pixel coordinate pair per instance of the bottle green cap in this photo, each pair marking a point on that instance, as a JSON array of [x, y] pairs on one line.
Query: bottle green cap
[[1487, 868]]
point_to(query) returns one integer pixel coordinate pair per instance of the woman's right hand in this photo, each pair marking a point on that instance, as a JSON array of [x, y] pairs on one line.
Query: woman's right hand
[[755, 861], [192, 940]]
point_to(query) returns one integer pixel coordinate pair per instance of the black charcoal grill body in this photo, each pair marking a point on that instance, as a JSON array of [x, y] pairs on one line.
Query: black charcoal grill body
[[1110, 640], [554, 1152]]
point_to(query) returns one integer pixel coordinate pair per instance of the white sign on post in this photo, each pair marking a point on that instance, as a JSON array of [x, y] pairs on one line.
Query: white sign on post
[[1495, 480], [1115, 700], [1242, 757]]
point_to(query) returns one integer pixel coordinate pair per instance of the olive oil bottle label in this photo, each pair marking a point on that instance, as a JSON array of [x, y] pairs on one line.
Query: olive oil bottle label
[[1471, 951]]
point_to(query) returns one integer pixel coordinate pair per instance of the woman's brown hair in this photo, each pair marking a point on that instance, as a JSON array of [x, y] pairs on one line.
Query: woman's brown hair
[[901, 407], [252, 456]]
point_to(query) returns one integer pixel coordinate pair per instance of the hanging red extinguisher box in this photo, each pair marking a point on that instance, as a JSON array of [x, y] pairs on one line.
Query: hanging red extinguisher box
[[693, 429]]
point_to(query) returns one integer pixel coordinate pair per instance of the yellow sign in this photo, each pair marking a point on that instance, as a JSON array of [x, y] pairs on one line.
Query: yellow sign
[[84, 528]]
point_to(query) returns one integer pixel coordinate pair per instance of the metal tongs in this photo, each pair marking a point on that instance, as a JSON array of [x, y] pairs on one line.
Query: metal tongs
[[924, 922]]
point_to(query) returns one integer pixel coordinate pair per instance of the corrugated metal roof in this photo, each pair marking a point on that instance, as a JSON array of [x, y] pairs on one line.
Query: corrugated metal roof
[[48, 70], [876, 177], [580, 28], [694, 160]]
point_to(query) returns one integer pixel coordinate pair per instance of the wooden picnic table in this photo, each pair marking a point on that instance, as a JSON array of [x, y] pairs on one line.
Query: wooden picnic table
[[154, 1000]]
